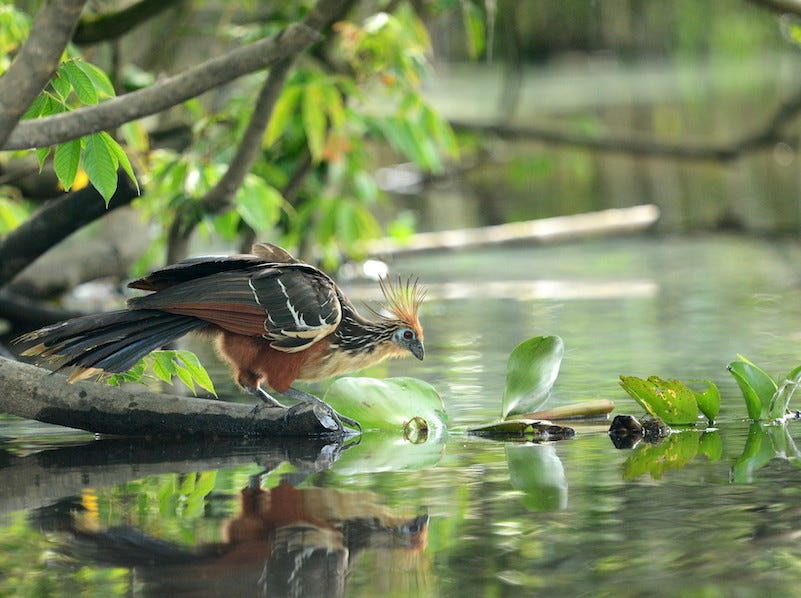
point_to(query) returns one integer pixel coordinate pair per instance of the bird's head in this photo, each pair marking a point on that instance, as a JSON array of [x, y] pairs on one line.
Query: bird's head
[[402, 301]]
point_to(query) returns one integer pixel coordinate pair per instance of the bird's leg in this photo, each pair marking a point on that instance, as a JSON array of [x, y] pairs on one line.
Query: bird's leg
[[299, 395], [264, 396]]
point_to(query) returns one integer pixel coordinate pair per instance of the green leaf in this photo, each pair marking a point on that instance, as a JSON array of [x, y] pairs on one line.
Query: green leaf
[[41, 154], [670, 400], [66, 160], [757, 387], [283, 113], [708, 400], [784, 394], [258, 203], [531, 371], [80, 82], [198, 373], [388, 404], [314, 120], [101, 166], [61, 86], [162, 365], [120, 156], [99, 79], [474, 27]]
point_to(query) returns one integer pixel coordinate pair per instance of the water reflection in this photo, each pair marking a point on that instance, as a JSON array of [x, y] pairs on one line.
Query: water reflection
[[283, 541]]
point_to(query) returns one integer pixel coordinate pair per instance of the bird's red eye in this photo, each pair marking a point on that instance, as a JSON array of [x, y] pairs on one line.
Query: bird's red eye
[[408, 335]]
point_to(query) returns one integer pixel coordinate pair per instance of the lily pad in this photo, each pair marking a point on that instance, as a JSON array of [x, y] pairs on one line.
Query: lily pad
[[531, 371], [406, 404], [670, 400]]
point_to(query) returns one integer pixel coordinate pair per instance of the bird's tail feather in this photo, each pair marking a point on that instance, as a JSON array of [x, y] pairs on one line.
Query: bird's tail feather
[[109, 342]]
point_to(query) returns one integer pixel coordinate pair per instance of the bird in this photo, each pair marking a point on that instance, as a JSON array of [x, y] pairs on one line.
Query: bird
[[276, 320]]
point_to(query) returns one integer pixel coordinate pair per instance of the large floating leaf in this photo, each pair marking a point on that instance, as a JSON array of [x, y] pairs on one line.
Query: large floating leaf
[[757, 387], [406, 404], [531, 371], [670, 400]]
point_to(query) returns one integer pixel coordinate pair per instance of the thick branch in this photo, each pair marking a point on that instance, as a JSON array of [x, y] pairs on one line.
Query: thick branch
[[770, 134], [163, 94], [55, 221], [112, 25], [219, 198], [37, 61], [34, 393]]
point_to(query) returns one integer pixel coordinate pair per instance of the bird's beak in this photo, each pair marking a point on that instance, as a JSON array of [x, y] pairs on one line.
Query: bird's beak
[[417, 349]]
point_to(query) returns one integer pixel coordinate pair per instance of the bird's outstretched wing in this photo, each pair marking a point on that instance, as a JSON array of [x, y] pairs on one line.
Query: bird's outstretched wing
[[293, 305]]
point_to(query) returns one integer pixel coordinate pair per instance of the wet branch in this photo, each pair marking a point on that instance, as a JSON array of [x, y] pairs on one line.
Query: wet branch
[[35, 393]]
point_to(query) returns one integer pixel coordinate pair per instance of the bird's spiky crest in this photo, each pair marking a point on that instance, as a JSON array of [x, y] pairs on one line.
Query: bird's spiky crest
[[403, 299]]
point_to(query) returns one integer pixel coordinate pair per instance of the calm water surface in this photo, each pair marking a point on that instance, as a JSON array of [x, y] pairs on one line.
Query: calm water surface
[[712, 513]]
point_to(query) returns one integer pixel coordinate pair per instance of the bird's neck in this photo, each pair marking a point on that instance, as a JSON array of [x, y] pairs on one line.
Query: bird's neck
[[357, 334]]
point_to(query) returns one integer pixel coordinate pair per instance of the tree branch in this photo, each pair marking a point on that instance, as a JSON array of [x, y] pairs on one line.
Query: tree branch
[[780, 6], [55, 221], [769, 135], [37, 60], [34, 393], [163, 94], [220, 197], [112, 25]]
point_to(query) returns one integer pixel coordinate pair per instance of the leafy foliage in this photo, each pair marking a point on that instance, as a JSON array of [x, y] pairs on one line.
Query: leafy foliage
[[764, 399], [672, 400], [166, 365]]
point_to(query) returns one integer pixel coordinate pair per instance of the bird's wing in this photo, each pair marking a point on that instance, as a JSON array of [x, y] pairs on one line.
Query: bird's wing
[[291, 305], [302, 305]]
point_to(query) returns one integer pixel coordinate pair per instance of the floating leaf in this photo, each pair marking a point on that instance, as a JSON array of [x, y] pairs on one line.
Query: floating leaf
[[784, 394], [531, 371], [388, 404], [669, 400], [757, 387]]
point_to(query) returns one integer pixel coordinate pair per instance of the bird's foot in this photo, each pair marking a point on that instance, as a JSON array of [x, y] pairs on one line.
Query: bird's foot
[[267, 399], [299, 395]]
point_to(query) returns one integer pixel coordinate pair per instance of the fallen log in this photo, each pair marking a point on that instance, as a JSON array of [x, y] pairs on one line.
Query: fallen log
[[560, 228], [35, 393]]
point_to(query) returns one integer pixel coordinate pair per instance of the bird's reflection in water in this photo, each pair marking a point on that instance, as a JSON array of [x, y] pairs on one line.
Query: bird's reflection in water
[[285, 541]]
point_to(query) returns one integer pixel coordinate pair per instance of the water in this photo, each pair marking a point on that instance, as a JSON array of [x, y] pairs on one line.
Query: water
[[711, 513]]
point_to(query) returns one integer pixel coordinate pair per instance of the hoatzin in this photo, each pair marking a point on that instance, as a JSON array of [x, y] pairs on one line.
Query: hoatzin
[[276, 320]]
